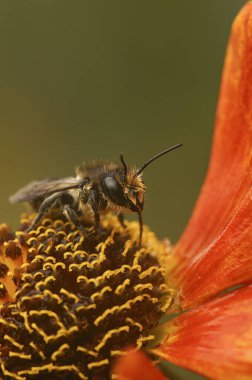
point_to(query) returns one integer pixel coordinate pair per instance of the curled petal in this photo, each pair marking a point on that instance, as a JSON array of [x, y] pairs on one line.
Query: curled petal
[[135, 365], [214, 339], [223, 210]]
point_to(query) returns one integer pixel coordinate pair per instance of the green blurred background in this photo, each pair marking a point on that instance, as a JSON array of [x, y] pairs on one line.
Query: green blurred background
[[89, 79]]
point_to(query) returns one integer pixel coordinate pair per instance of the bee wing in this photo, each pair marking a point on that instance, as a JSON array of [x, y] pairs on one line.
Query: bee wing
[[38, 189]]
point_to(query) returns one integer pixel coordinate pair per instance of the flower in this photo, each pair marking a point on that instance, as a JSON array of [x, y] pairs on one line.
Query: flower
[[214, 337], [72, 303]]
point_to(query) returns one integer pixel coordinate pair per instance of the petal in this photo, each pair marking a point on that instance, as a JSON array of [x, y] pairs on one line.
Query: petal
[[226, 262], [223, 209], [135, 365], [214, 339]]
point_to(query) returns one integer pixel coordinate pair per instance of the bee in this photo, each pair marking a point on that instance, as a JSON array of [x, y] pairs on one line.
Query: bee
[[98, 187]]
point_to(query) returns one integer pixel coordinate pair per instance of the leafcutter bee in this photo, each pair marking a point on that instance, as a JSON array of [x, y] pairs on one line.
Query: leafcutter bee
[[97, 187]]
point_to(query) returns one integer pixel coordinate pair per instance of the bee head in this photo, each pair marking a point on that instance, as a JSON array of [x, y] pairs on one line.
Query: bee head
[[126, 191]]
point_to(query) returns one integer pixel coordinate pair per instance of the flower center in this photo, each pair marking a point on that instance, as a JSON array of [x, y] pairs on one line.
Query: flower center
[[79, 300]]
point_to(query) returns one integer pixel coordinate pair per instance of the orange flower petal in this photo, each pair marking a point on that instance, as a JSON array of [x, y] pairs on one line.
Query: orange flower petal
[[218, 235], [135, 365], [214, 339]]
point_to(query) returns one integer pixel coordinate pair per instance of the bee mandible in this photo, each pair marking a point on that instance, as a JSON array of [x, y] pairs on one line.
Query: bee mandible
[[97, 187]]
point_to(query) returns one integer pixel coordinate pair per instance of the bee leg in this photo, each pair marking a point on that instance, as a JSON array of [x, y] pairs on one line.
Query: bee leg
[[140, 220], [97, 218], [73, 217], [48, 203], [93, 198], [121, 219]]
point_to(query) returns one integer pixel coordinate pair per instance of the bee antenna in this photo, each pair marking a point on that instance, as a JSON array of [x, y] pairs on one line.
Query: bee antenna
[[125, 168], [140, 170]]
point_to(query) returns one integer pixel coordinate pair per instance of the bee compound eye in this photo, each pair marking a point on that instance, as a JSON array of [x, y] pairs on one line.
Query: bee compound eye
[[114, 191]]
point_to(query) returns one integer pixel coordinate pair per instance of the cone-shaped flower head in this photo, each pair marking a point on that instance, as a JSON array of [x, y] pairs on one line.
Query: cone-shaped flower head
[[76, 301]]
